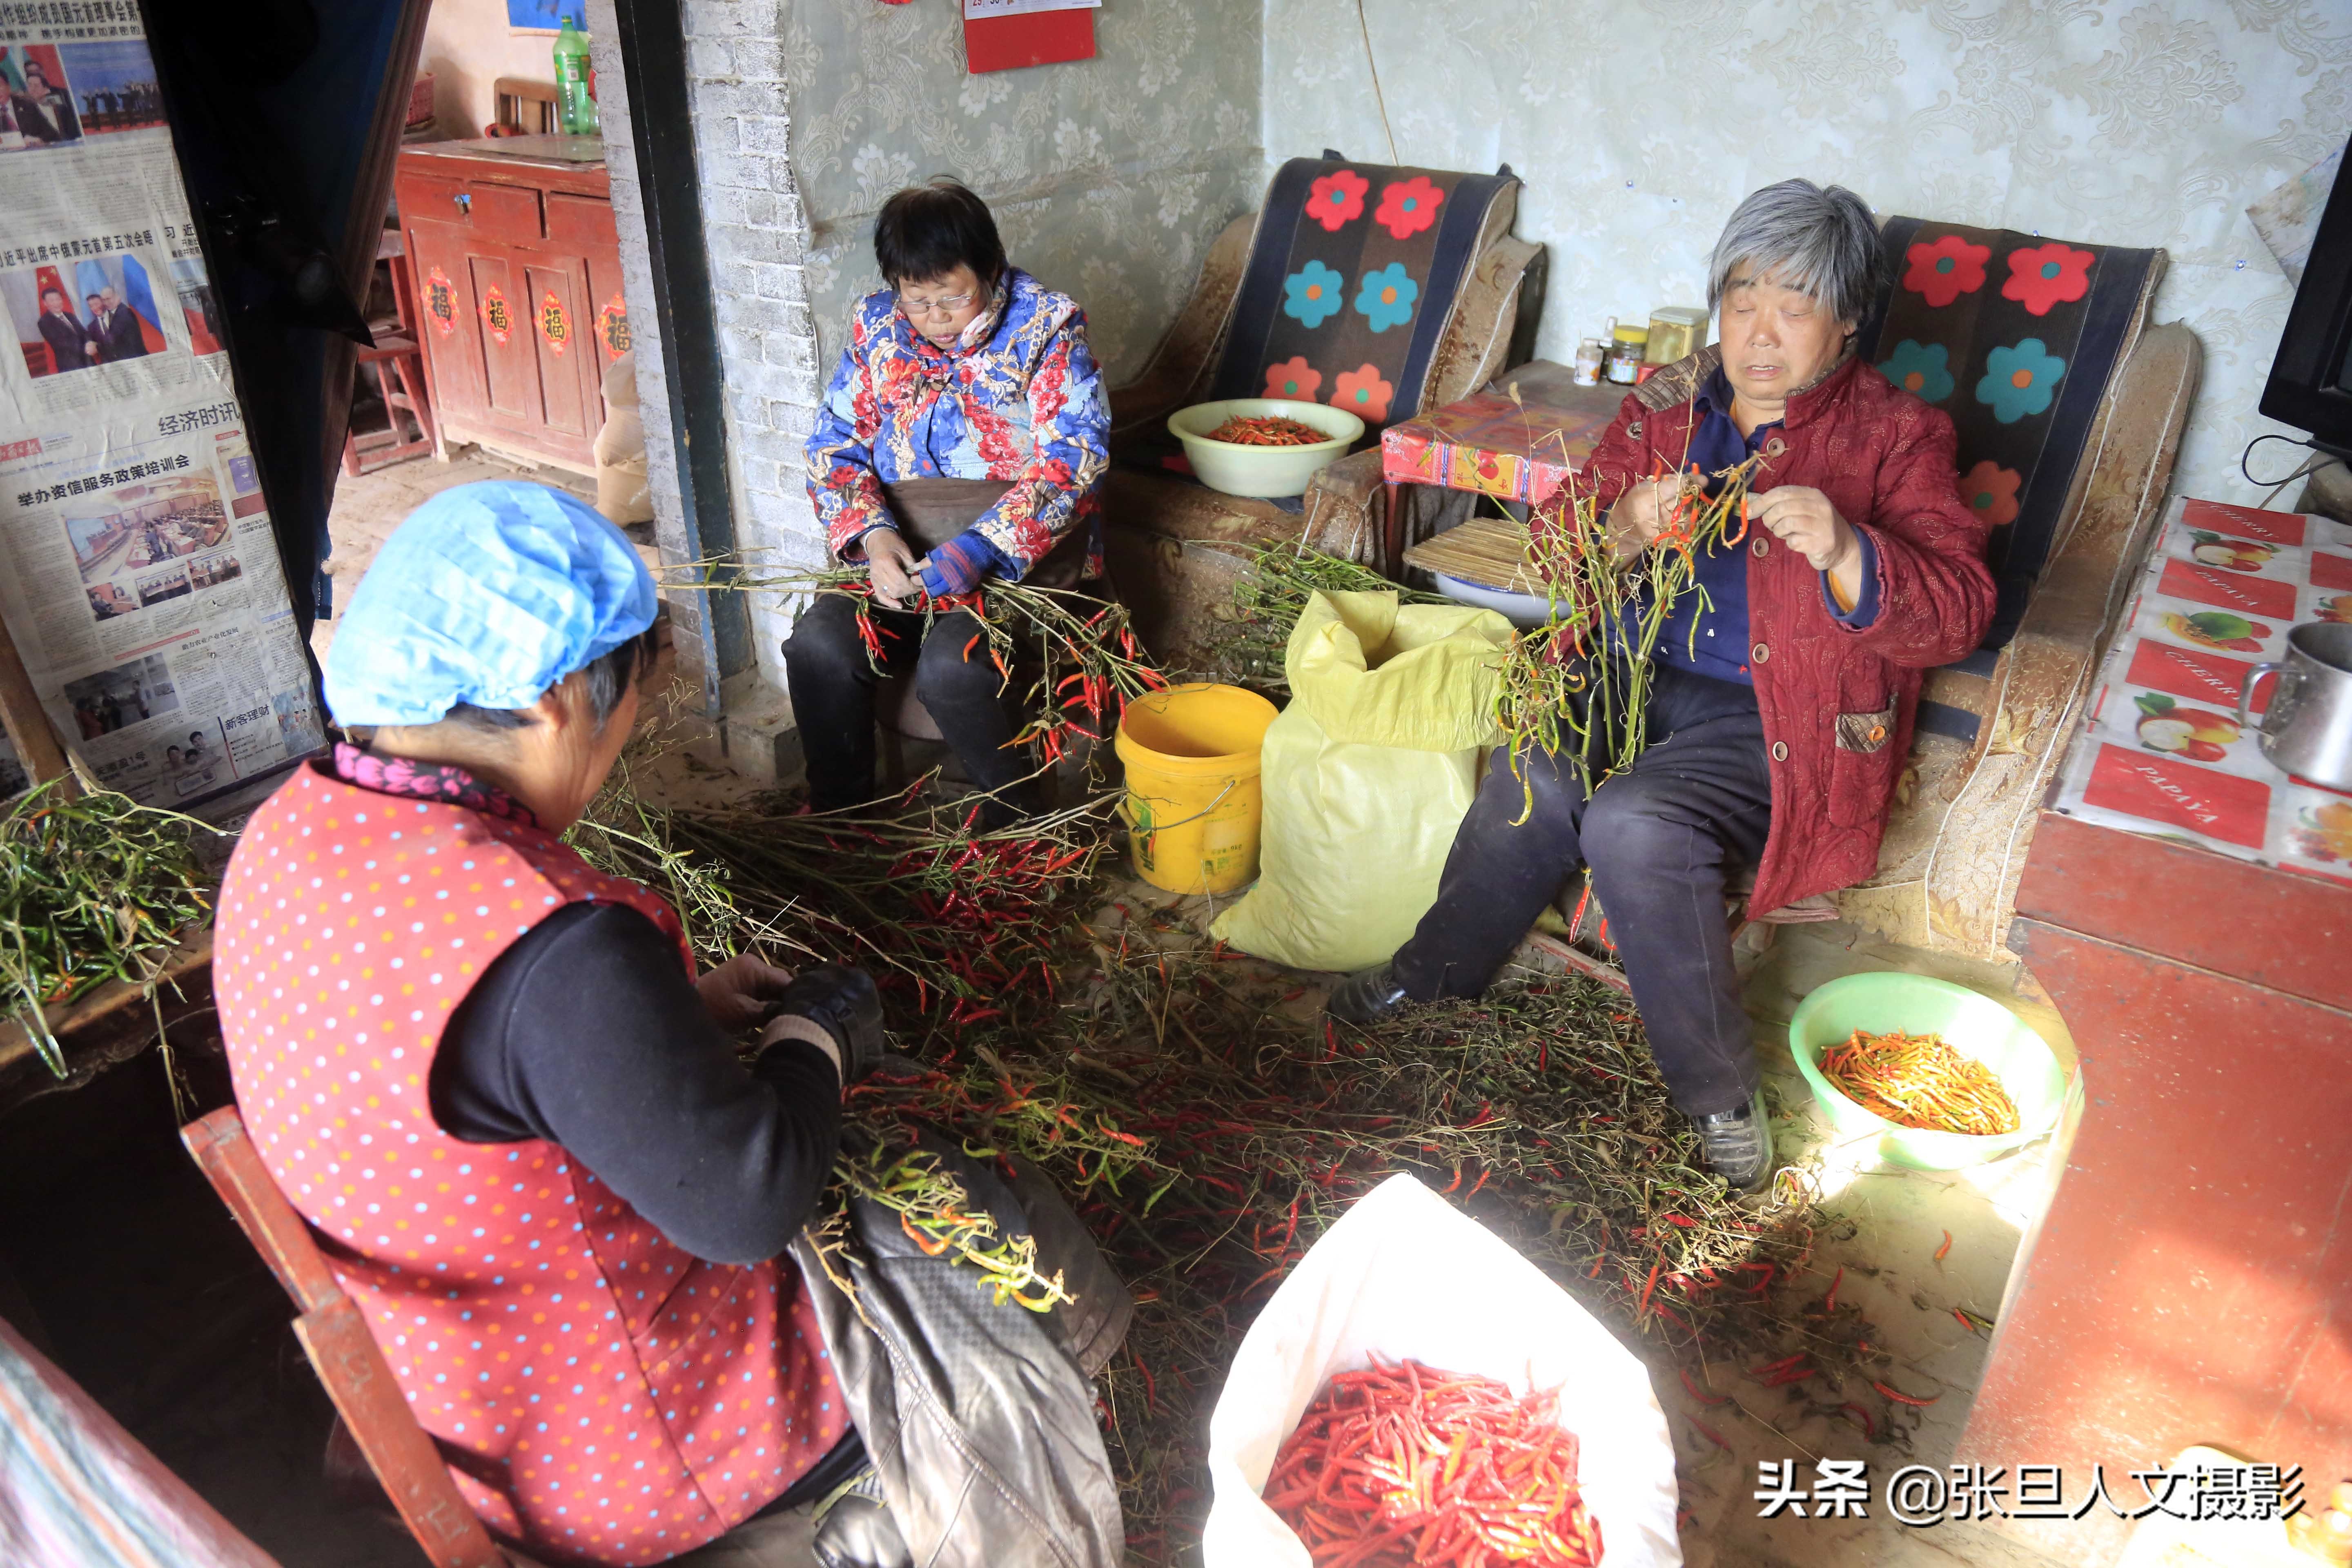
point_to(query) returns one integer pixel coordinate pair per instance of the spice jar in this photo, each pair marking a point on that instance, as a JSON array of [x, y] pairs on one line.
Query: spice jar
[[1676, 332], [1589, 357], [1626, 347]]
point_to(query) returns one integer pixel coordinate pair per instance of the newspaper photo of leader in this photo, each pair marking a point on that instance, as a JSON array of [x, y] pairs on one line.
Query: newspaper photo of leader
[[72, 316], [40, 101]]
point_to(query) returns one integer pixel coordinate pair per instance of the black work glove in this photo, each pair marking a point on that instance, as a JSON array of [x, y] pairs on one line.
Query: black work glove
[[843, 1002]]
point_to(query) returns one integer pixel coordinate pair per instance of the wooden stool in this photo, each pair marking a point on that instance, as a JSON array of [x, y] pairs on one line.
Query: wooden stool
[[396, 356]]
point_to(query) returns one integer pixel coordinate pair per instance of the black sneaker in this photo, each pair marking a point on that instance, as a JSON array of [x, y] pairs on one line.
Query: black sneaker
[[1738, 1144], [1367, 996]]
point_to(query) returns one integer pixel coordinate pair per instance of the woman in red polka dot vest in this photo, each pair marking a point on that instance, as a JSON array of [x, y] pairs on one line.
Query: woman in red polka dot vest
[[487, 1077]]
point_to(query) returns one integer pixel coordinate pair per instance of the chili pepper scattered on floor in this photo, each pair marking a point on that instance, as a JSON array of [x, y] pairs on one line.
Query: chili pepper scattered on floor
[[1900, 1397], [1405, 1463]]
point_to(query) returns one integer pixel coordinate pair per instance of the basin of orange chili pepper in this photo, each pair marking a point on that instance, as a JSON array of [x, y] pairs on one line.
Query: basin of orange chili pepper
[[1268, 430], [1917, 1080], [1404, 1463]]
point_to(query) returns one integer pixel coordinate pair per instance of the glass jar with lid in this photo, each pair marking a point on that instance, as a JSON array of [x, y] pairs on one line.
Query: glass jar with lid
[[1627, 344]]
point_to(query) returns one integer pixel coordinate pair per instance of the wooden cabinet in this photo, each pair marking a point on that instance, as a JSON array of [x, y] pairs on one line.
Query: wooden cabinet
[[518, 272]]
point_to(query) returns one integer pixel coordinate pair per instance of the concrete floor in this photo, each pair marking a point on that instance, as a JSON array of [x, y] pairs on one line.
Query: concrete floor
[[1900, 1216], [367, 509]]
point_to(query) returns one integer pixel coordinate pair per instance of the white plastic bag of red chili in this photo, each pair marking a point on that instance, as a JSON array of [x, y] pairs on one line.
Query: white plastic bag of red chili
[[1404, 1276]]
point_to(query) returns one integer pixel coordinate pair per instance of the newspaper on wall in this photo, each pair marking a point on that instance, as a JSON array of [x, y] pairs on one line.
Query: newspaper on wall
[[139, 574]]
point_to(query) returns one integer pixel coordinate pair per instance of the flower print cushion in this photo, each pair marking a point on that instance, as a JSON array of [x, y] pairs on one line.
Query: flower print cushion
[[1352, 277], [2015, 337]]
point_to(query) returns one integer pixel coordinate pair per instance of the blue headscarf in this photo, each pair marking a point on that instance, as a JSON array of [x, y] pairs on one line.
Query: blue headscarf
[[488, 593]]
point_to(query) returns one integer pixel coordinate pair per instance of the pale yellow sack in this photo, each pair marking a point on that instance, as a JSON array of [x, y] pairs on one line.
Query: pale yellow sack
[[1366, 776]]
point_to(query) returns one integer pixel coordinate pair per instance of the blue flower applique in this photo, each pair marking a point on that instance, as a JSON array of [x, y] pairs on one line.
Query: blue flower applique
[[1386, 297], [1924, 370], [2018, 381], [1314, 293]]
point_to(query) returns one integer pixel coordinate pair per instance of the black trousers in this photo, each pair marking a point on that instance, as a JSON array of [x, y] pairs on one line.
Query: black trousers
[[833, 684], [1660, 841]]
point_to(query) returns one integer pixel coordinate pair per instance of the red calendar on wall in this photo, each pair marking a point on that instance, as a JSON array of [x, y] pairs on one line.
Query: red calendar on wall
[[1007, 34]]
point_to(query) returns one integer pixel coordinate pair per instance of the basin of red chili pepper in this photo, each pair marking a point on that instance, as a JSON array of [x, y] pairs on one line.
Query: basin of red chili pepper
[[1405, 1463], [1268, 430]]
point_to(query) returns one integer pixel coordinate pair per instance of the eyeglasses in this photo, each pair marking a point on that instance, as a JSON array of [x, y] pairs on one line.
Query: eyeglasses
[[946, 307]]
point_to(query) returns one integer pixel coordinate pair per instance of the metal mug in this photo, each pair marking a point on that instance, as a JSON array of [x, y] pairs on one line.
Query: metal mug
[[2306, 730]]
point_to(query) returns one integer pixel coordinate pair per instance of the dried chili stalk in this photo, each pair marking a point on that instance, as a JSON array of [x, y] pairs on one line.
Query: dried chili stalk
[[1249, 637], [1089, 664], [1580, 683]]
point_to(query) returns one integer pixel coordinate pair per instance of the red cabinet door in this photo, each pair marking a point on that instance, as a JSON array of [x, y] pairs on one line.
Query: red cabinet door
[[502, 327], [449, 327], [568, 397]]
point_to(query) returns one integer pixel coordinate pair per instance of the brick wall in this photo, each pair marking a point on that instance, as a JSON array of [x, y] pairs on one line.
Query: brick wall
[[757, 236]]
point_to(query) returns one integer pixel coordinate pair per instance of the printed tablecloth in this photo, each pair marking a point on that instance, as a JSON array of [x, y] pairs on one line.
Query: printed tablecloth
[[2161, 751], [1521, 450]]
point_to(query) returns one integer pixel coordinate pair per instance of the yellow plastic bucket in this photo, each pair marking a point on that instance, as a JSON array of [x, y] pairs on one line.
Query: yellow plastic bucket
[[1192, 806]]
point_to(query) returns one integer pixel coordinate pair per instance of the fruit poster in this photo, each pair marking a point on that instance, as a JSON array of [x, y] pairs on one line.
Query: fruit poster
[[2162, 750]]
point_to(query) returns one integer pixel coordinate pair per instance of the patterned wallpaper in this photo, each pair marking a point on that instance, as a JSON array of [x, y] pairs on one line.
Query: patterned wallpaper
[[1108, 177], [1639, 123]]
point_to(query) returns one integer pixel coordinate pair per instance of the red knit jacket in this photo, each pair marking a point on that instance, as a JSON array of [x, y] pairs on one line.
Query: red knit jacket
[[1837, 702]]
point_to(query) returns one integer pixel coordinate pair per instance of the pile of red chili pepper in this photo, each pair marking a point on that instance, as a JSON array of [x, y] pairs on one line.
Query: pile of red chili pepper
[[1917, 1080], [1268, 430], [1406, 1464]]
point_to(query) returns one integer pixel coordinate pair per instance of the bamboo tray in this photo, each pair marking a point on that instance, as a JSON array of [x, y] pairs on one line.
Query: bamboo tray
[[1486, 551]]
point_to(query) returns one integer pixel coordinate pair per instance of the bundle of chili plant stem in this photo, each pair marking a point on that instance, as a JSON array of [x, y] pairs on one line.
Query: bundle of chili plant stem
[[1579, 682], [1252, 635], [1088, 664], [93, 888], [960, 924]]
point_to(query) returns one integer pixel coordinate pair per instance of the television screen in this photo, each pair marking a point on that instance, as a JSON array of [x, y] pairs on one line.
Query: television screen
[[2310, 385]]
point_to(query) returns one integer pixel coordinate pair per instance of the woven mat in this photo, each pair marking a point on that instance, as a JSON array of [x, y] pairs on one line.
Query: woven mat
[[1487, 552]]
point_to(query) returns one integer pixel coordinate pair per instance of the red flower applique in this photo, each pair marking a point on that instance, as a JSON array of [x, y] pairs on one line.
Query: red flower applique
[[1294, 377], [1408, 207], [1947, 268], [1363, 394], [1336, 197], [2042, 276], [1989, 490]]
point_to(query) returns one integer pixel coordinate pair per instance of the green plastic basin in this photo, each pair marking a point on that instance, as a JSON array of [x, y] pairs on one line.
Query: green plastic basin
[[1973, 1024]]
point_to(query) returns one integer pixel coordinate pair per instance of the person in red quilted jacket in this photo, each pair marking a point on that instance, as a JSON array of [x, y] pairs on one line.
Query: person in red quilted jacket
[[1779, 707]]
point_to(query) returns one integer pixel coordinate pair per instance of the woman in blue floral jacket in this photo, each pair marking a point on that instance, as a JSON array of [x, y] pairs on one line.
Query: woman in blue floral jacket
[[965, 434]]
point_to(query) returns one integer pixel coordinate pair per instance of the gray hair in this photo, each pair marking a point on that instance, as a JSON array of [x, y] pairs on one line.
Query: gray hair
[[1819, 242]]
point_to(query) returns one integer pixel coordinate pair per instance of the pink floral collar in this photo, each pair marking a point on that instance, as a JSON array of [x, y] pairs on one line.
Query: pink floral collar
[[426, 781]]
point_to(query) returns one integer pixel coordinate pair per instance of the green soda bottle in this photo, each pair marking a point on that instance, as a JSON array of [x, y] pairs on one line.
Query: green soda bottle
[[575, 109]]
